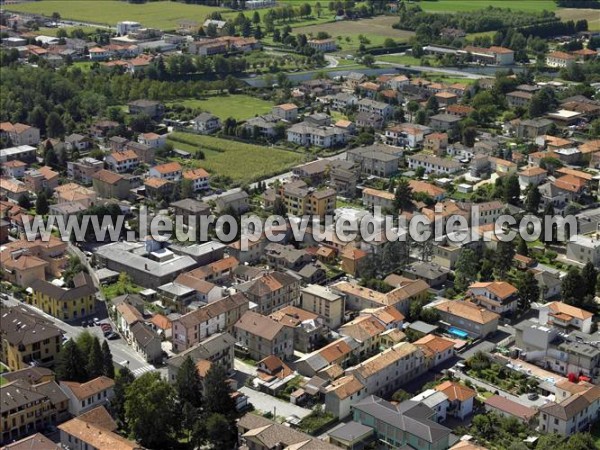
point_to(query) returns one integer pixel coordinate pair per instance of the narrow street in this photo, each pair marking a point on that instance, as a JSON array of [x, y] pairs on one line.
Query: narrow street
[[119, 348]]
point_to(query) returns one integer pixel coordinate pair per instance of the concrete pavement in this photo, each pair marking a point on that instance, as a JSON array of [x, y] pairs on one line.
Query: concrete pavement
[[265, 402]]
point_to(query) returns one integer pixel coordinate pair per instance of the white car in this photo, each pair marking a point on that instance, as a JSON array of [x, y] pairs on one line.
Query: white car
[[96, 321]]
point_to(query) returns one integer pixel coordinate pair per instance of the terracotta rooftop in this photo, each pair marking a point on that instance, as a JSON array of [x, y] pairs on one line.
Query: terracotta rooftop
[[90, 388], [455, 391], [467, 311], [572, 311], [168, 167]]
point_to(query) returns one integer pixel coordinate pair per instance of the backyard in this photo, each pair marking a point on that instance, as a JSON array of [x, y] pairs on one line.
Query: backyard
[[243, 163], [237, 106]]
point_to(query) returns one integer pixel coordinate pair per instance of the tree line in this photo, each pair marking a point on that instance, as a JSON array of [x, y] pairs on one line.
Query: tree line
[[487, 19]]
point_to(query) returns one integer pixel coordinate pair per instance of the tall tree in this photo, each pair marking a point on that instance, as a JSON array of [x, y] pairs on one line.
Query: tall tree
[[589, 275], [467, 268], [54, 125], [505, 252], [71, 363], [403, 196], [573, 287], [188, 384], [95, 364], [217, 392], [50, 158], [24, 201], [529, 290], [117, 404], [512, 190], [150, 410], [533, 199], [522, 248], [220, 432], [108, 368], [279, 208], [41, 204]]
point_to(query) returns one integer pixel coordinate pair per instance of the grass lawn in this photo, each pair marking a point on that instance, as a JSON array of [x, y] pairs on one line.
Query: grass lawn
[[159, 14], [53, 31], [400, 59], [471, 5], [236, 106], [85, 66], [242, 162]]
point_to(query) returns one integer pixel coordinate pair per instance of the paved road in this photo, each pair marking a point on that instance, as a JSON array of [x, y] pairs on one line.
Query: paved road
[[246, 369], [120, 350], [264, 402], [452, 72]]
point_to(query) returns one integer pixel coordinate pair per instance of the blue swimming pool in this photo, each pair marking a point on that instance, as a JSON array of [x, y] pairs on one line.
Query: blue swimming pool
[[458, 332]]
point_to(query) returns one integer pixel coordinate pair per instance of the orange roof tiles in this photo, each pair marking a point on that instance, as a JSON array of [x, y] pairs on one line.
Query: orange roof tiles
[[467, 311], [154, 182], [455, 391], [578, 313], [500, 289], [195, 174], [168, 167], [123, 156], [570, 183], [435, 344], [90, 388]]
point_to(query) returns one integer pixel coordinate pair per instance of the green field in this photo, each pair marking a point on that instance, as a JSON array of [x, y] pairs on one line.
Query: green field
[[472, 5], [241, 162], [158, 14], [237, 106], [153, 14]]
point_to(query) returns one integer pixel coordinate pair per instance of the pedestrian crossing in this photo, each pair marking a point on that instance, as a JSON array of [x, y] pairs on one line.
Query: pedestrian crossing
[[142, 370]]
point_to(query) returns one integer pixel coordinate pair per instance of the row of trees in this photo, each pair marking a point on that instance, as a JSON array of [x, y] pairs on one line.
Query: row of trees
[[84, 359], [486, 19]]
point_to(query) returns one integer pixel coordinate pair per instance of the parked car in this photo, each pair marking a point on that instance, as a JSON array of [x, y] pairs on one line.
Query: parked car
[[112, 336], [96, 321]]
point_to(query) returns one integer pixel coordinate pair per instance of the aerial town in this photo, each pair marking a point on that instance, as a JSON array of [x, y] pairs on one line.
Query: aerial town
[[159, 160]]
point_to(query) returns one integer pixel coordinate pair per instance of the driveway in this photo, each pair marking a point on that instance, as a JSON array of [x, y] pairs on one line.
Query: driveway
[[268, 403]]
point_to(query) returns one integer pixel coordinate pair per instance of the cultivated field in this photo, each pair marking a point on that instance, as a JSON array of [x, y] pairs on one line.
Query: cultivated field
[[472, 5], [236, 106], [244, 163], [376, 30], [591, 15]]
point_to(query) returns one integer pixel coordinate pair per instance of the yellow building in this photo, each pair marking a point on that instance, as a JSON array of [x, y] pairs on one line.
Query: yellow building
[[65, 304], [27, 337], [28, 408], [300, 199]]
